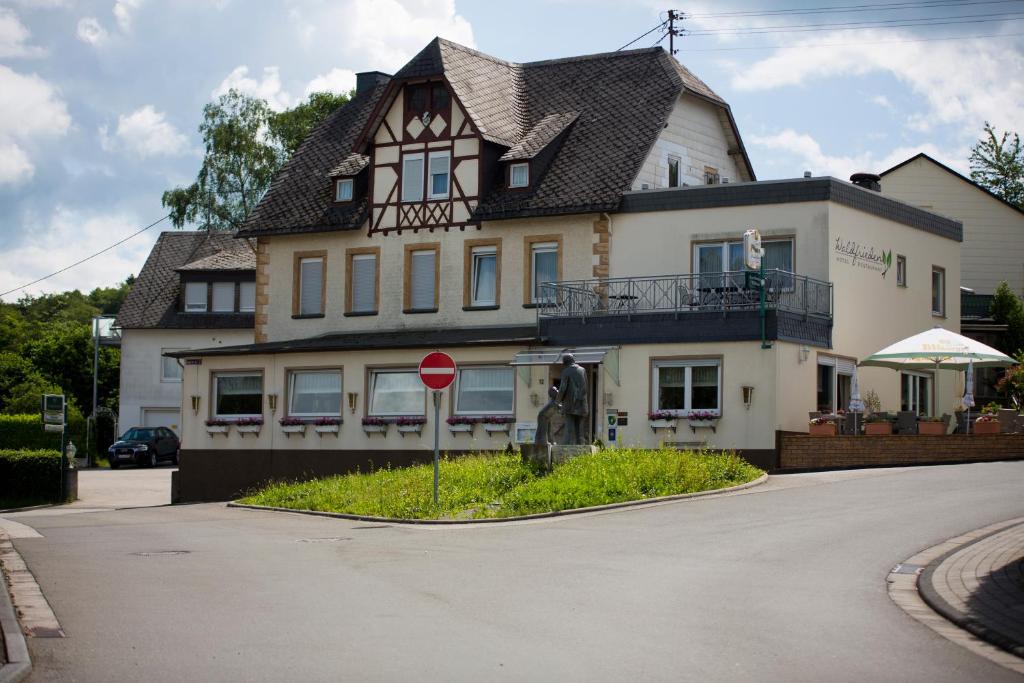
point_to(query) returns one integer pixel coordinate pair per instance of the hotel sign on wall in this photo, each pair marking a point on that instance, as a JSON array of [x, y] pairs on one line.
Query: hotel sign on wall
[[859, 255]]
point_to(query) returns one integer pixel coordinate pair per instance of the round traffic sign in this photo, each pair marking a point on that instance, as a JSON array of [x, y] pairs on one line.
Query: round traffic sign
[[437, 370]]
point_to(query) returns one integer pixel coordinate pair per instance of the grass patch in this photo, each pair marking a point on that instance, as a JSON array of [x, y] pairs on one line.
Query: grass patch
[[480, 486]]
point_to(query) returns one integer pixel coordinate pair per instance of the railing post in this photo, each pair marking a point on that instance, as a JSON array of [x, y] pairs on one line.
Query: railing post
[[805, 296]]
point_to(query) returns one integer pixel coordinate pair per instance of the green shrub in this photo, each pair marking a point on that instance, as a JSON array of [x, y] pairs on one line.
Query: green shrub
[[25, 432], [29, 477]]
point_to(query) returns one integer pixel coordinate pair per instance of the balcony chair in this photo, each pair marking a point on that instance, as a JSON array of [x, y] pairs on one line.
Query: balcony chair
[[906, 422]]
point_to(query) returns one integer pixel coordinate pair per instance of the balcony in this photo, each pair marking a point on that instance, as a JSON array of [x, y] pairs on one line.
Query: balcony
[[691, 307]]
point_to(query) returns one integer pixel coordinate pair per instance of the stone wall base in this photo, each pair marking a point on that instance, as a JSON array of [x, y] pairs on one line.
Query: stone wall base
[[804, 452]]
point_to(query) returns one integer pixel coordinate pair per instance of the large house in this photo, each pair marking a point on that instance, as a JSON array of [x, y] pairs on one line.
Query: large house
[[507, 213], [196, 290]]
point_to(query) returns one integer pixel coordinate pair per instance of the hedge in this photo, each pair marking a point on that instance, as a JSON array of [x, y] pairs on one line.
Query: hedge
[[29, 477], [25, 432]]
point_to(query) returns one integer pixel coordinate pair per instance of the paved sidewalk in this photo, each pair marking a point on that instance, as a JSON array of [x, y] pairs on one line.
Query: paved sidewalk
[[979, 586]]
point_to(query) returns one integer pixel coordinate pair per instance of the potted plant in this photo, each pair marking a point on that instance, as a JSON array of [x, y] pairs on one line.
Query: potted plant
[[877, 425], [662, 419], [292, 425], [217, 426], [375, 425], [702, 418], [462, 424], [821, 426], [931, 426], [327, 424], [249, 425], [497, 424], [987, 422], [410, 424]]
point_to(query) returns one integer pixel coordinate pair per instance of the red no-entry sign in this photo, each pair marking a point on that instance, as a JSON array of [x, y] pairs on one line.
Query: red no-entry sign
[[437, 370]]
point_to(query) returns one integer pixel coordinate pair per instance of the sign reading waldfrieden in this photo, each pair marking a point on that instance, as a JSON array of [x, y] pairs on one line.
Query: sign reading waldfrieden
[[854, 253]]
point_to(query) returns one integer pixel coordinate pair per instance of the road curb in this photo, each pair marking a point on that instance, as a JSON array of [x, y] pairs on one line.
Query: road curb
[[19, 664], [508, 520]]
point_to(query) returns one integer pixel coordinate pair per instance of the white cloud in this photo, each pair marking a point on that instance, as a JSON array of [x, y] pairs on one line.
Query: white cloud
[[67, 236], [883, 101], [963, 82], [146, 133], [123, 10], [90, 31], [336, 80], [267, 88], [14, 37], [807, 154], [30, 110]]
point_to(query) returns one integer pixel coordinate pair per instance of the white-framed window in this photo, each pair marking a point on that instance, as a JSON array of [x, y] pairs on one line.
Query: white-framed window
[[223, 297], [716, 257], [485, 390], [423, 278], [364, 283], [440, 174], [674, 164], [938, 291], [412, 177], [238, 394], [170, 371], [247, 297], [834, 383], [195, 297], [484, 276], [519, 175], [901, 270], [916, 392], [682, 386], [543, 268], [397, 392], [343, 190], [314, 393], [311, 284]]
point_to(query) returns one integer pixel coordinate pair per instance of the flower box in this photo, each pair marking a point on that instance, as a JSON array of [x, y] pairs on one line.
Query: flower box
[[293, 429], [662, 424], [877, 428], [326, 429], [703, 423], [375, 428], [410, 429], [931, 428], [823, 429], [462, 428], [248, 429], [986, 427], [217, 429], [496, 427]]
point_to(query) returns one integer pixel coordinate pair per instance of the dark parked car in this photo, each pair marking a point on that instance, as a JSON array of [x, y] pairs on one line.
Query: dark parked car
[[145, 447]]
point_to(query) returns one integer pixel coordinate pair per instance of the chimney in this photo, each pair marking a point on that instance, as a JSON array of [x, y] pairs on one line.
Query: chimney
[[367, 80], [869, 181]]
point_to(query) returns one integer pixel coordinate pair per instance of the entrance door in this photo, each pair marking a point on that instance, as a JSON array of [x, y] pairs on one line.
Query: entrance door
[[162, 417]]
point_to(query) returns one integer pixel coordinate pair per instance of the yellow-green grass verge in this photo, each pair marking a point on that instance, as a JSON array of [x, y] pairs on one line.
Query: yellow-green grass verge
[[489, 486]]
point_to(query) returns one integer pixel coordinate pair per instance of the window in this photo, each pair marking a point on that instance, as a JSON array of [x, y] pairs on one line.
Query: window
[[247, 297], [416, 98], [440, 167], [238, 394], [439, 98], [519, 175], [223, 297], [314, 393], [195, 297], [938, 291], [343, 190], [484, 276], [901, 271], [412, 177], [543, 268], [673, 170], [485, 391], [170, 371], [310, 285], [397, 392], [362, 280], [421, 277], [717, 257], [835, 381], [711, 176], [916, 392], [682, 386]]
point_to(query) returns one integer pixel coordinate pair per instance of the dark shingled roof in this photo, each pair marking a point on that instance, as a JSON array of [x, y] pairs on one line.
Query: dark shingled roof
[[153, 299], [353, 164], [620, 100]]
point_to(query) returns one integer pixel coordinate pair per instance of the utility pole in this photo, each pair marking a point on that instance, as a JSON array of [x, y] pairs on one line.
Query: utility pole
[[673, 16]]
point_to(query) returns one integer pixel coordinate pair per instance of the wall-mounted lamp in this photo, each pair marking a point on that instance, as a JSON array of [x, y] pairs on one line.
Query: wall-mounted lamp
[[272, 402], [805, 352], [353, 399], [195, 405], [748, 396]]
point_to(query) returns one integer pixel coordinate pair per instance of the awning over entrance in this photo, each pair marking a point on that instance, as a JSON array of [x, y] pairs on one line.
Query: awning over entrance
[[585, 355]]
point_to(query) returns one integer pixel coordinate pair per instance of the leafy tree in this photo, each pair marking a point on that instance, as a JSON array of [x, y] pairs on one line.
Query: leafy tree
[[1008, 310], [289, 128], [62, 353], [1011, 384], [13, 328], [997, 164], [109, 299]]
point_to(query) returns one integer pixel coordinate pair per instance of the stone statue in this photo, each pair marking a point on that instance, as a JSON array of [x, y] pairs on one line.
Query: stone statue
[[572, 394], [549, 420]]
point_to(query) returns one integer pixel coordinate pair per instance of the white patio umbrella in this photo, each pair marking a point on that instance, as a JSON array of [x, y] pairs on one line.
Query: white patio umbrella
[[856, 403], [968, 399]]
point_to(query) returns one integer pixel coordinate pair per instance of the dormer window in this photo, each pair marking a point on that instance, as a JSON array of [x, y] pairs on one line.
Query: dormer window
[[343, 190], [519, 175], [195, 297]]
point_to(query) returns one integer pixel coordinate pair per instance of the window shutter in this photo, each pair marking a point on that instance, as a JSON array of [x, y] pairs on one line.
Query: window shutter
[[422, 264], [412, 178], [223, 297], [364, 283], [195, 296], [247, 297], [311, 286], [845, 366]]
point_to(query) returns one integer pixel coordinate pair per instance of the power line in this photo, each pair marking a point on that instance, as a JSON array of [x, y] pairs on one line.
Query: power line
[[643, 35], [862, 25], [87, 258], [848, 9], [877, 42]]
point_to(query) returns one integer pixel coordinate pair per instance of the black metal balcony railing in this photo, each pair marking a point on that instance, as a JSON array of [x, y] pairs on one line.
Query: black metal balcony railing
[[709, 292]]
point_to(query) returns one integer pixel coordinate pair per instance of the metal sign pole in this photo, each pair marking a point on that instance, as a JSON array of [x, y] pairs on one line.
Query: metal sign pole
[[437, 430]]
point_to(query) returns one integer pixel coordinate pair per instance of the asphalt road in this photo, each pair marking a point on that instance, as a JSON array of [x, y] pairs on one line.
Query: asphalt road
[[784, 583]]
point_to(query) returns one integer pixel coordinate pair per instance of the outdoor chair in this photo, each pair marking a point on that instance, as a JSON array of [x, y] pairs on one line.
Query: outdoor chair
[[1007, 423], [1018, 424], [906, 422], [961, 422], [849, 422]]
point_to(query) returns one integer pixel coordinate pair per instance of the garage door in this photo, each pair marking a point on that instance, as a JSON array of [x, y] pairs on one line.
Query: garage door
[[162, 417]]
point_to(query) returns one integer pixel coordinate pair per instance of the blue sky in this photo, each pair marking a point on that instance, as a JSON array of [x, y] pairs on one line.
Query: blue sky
[[100, 100]]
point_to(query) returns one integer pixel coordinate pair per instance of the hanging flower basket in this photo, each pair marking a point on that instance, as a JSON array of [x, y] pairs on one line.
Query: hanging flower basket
[[217, 427], [497, 424], [375, 425], [661, 419], [462, 424], [292, 425], [327, 425], [705, 419], [410, 425]]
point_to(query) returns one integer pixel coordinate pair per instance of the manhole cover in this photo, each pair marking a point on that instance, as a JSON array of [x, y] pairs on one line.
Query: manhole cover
[[161, 553], [336, 539]]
